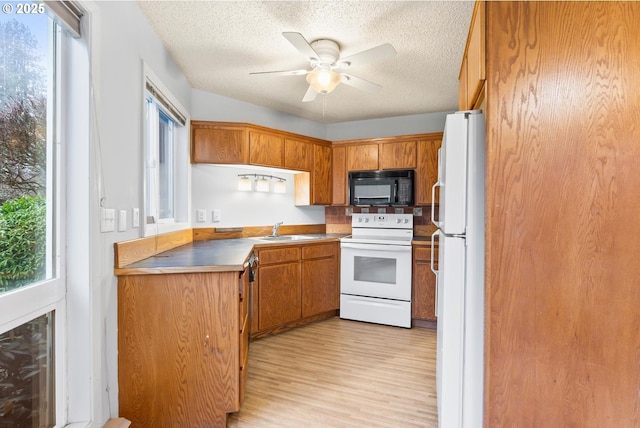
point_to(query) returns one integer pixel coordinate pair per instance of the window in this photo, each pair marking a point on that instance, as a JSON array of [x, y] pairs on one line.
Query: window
[[160, 164], [166, 160], [32, 282]]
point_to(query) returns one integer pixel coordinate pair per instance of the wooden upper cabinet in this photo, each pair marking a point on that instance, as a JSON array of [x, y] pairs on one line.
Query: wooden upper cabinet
[[219, 144], [298, 154], [321, 177], [362, 157], [427, 169], [266, 149], [398, 155], [339, 175], [472, 72]]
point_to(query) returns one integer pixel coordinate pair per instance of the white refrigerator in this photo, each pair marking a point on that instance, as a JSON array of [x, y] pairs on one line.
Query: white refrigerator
[[460, 271]]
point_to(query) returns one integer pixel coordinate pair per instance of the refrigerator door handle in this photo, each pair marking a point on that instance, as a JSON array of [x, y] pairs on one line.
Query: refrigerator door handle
[[433, 204], [435, 272]]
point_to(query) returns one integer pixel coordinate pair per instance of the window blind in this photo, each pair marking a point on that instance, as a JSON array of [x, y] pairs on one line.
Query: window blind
[[67, 13], [164, 102]]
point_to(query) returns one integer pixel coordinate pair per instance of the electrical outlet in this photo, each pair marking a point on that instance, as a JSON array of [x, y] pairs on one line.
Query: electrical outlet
[[417, 212], [348, 212], [201, 216], [107, 220], [135, 217], [122, 220], [217, 215]]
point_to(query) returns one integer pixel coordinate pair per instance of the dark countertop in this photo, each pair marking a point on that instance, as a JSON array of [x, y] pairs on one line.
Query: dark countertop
[[220, 255]]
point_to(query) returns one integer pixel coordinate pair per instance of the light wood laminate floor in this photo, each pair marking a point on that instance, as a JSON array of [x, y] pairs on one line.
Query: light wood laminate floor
[[339, 373]]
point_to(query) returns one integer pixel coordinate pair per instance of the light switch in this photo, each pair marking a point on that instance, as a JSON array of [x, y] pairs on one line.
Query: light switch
[[201, 216], [122, 220], [217, 215], [107, 220], [135, 217]]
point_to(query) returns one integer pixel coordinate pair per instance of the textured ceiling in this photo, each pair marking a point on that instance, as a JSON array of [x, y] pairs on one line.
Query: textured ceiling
[[218, 43]]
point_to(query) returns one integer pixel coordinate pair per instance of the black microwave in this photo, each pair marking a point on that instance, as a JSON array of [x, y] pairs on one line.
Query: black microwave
[[381, 188]]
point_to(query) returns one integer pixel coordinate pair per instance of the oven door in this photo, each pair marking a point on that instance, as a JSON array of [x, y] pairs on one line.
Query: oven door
[[376, 270]]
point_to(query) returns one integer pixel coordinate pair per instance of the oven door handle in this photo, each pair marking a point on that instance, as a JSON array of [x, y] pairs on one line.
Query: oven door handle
[[378, 247]]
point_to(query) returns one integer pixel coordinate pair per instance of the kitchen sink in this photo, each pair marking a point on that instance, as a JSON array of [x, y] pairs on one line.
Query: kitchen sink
[[286, 238]]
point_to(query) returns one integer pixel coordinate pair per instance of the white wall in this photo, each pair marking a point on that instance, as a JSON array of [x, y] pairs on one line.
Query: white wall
[[120, 41], [387, 127], [216, 187]]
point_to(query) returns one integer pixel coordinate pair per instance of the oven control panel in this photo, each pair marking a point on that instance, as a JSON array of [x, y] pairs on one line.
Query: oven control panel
[[381, 220]]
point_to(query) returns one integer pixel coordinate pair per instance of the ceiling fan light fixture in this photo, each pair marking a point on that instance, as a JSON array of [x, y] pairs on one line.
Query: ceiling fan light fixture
[[323, 81]]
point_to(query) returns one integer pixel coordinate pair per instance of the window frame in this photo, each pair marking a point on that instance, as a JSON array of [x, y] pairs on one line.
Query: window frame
[[166, 103], [27, 303]]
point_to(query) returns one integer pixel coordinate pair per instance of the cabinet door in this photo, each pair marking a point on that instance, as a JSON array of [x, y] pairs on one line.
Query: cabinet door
[[427, 171], [321, 183], [279, 294], [463, 97], [266, 149], [320, 291], [298, 154], [339, 176], [216, 145], [424, 285], [400, 155], [362, 157], [178, 326]]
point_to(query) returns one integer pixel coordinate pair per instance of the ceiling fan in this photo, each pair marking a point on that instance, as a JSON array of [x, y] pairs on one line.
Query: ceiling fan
[[328, 70]]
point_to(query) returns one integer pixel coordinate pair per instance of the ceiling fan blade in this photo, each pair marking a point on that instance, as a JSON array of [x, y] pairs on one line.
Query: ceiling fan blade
[[283, 73], [300, 43], [359, 83], [378, 53], [310, 95]]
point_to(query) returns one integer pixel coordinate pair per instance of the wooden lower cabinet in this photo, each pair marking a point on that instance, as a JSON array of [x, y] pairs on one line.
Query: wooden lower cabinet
[[320, 286], [182, 347], [424, 285], [279, 294], [295, 284]]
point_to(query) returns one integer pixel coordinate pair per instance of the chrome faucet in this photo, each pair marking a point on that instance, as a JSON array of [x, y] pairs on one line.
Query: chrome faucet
[[276, 226]]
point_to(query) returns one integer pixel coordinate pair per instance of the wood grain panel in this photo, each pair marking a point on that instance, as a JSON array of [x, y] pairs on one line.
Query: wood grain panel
[[398, 155], [320, 289], [279, 294], [362, 157], [339, 176], [321, 185], [178, 349], [206, 233], [318, 251], [279, 255], [213, 145], [427, 170], [298, 154], [128, 252], [266, 149], [562, 267], [476, 55], [423, 301]]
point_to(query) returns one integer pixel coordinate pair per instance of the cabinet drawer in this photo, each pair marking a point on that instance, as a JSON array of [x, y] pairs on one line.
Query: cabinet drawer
[[279, 255], [317, 251]]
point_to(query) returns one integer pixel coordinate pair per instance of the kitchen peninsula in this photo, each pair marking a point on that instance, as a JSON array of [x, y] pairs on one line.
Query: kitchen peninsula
[[184, 317]]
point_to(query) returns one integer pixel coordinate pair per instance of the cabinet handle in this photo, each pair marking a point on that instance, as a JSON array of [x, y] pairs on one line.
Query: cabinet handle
[[206, 342], [435, 272]]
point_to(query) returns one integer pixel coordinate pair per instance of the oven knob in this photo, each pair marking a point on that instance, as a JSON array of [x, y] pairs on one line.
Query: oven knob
[[406, 220], [366, 220], [398, 220], [359, 219]]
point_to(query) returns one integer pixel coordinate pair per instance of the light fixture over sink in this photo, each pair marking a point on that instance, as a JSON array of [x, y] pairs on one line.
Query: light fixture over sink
[[245, 184]]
